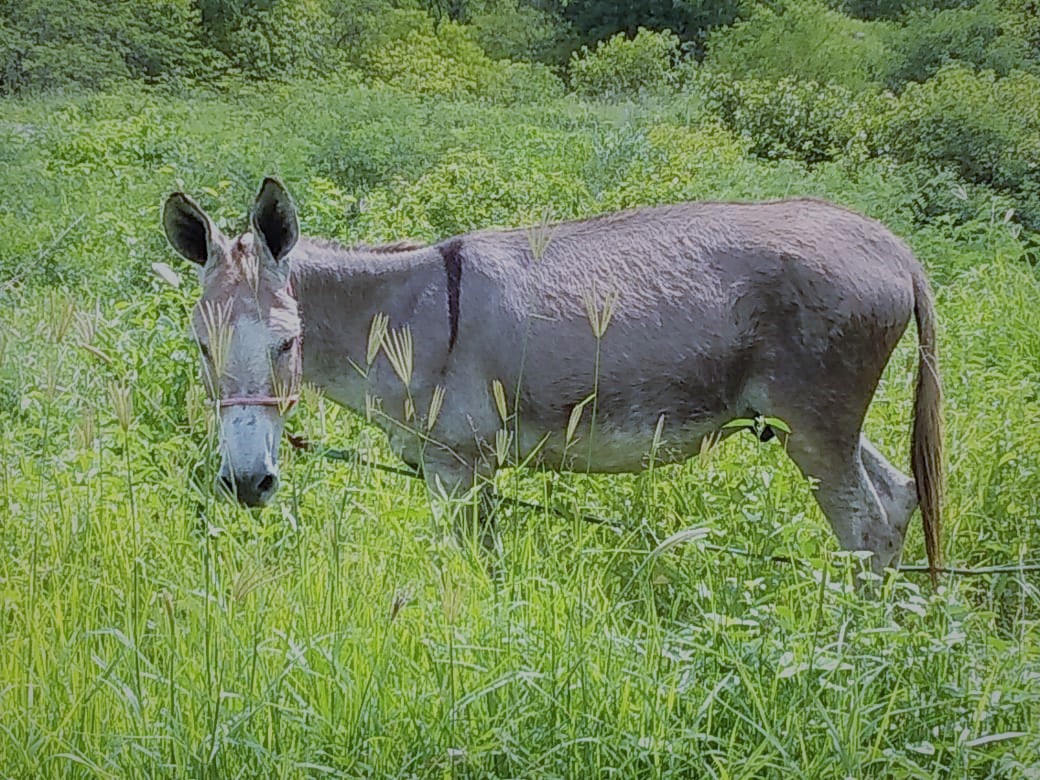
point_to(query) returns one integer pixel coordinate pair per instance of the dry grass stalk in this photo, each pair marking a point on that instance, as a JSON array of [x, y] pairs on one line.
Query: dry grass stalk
[[499, 392], [376, 334], [540, 235], [599, 311], [121, 398], [216, 322], [398, 348], [436, 403], [503, 439]]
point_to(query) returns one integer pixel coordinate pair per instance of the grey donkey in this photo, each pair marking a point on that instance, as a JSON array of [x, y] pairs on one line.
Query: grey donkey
[[588, 345]]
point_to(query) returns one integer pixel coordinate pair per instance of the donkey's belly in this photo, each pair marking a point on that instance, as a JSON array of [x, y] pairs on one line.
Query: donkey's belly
[[611, 449]]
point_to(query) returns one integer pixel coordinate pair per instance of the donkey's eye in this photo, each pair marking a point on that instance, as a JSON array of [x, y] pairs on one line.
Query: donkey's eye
[[285, 345]]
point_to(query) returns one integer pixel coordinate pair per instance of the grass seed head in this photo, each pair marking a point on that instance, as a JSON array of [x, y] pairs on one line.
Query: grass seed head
[[285, 390], [452, 597], [398, 348], [655, 445], [218, 332], [503, 439], [401, 600], [436, 403], [86, 430], [372, 407], [499, 392], [61, 314], [251, 271], [707, 448], [195, 405], [540, 235], [121, 397], [86, 328], [575, 418], [599, 311], [376, 334]]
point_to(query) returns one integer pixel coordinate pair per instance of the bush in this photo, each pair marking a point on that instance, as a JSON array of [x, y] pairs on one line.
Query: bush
[[53, 44], [518, 32], [376, 146], [930, 39], [622, 65], [1022, 20], [269, 39], [800, 40], [597, 20], [676, 163], [893, 9], [470, 190], [449, 63], [795, 119], [983, 128]]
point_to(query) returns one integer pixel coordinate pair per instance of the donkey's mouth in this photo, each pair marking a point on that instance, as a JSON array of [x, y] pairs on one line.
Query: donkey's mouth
[[249, 490]]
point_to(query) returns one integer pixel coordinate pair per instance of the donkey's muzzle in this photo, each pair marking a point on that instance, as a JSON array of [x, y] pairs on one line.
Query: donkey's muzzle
[[250, 489]]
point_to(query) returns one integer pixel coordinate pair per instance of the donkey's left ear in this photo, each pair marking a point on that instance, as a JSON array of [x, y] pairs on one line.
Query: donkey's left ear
[[274, 219]]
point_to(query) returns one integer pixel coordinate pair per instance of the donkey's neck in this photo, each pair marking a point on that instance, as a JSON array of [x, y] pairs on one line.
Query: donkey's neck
[[339, 291]]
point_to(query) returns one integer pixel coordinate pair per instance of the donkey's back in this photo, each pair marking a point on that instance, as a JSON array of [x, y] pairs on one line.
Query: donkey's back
[[676, 251]]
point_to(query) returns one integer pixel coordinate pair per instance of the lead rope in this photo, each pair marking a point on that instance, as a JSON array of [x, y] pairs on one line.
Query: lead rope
[[355, 457]]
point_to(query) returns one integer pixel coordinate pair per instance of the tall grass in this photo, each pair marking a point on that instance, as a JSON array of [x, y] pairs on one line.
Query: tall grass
[[149, 629]]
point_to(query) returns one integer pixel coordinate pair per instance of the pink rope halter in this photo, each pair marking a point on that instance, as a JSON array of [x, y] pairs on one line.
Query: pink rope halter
[[289, 401]]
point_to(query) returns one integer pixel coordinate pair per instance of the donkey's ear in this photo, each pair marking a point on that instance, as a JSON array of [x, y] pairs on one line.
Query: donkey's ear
[[274, 219], [188, 228]]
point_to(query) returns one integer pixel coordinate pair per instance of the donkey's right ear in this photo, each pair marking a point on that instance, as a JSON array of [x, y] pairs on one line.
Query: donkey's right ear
[[188, 228]]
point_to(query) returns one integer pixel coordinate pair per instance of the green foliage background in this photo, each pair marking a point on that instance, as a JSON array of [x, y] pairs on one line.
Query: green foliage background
[[148, 629]]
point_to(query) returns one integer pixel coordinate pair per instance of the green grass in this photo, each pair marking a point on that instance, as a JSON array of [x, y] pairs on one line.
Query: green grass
[[147, 629]]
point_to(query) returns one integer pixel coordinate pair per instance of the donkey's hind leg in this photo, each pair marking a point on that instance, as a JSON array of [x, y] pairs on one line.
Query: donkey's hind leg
[[896, 491], [847, 495]]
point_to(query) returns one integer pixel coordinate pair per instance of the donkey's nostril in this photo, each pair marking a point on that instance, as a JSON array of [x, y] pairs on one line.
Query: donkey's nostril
[[265, 484], [227, 484]]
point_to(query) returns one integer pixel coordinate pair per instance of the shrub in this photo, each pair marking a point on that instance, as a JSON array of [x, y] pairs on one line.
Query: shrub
[[930, 39], [518, 32], [597, 20], [276, 40], [893, 9], [52, 44], [984, 128], [374, 148], [449, 63], [678, 163], [796, 119], [470, 190], [800, 40], [1022, 20], [625, 65]]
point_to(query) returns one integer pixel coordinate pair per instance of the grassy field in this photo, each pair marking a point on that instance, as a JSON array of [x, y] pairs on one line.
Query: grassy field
[[148, 629]]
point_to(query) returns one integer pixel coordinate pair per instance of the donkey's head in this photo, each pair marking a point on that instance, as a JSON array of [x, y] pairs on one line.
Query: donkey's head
[[248, 328]]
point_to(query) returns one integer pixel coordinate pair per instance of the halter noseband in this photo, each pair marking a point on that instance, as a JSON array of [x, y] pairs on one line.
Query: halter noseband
[[288, 401]]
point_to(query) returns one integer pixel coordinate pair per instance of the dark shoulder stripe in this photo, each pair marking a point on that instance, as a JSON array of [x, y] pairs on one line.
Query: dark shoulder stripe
[[452, 254]]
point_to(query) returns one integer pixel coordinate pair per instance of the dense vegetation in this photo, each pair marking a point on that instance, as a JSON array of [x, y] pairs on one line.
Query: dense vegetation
[[147, 628]]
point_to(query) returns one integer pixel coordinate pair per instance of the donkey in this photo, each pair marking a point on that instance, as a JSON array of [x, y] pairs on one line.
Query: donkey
[[591, 345]]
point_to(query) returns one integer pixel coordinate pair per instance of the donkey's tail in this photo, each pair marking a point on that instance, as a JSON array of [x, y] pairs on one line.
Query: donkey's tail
[[926, 441]]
